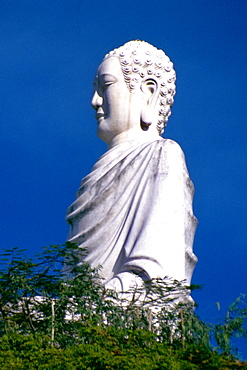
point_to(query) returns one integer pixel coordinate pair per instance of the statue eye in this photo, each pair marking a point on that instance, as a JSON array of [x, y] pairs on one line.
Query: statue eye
[[107, 84], [106, 80]]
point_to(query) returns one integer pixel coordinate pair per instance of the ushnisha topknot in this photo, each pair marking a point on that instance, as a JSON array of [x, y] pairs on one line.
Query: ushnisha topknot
[[139, 61]]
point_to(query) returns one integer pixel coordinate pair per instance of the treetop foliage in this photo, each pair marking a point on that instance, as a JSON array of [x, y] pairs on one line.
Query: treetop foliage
[[52, 317]]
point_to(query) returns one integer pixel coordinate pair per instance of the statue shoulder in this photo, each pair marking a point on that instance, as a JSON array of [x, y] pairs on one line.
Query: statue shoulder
[[172, 148]]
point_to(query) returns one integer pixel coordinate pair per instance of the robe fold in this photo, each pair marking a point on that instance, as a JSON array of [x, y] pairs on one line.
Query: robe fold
[[133, 212]]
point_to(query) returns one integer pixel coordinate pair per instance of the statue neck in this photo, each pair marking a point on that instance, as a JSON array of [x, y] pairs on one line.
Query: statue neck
[[134, 135]]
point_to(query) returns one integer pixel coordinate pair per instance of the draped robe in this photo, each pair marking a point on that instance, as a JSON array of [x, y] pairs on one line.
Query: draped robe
[[133, 212]]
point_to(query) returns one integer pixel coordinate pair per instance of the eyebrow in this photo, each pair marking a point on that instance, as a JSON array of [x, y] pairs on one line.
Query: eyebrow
[[107, 75], [101, 78]]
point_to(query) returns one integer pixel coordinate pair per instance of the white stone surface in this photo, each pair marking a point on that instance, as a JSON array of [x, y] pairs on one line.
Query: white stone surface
[[133, 212]]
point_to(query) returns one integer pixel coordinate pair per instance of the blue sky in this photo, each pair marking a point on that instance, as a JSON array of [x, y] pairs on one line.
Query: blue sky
[[50, 51]]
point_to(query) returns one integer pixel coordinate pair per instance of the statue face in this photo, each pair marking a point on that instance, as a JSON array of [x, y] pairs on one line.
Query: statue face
[[117, 110]]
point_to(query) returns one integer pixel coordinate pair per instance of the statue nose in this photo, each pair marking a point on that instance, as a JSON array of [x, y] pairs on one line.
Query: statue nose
[[96, 100]]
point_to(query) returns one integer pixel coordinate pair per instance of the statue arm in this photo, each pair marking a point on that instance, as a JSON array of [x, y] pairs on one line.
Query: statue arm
[[164, 227]]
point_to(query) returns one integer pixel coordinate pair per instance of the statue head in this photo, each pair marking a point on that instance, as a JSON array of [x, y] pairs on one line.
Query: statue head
[[144, 91]]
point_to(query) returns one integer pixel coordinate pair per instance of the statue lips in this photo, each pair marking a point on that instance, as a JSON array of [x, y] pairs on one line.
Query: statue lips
[[99, 116]]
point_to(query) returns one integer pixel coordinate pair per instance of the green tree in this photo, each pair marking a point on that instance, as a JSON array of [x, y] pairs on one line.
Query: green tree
[[56, 313], [233, 326]]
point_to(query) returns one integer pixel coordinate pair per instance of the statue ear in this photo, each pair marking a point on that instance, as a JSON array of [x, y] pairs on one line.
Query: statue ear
[[150, 91]]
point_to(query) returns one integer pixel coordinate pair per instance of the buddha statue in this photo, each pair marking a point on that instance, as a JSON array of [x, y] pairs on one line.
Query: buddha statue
[[133, 212]]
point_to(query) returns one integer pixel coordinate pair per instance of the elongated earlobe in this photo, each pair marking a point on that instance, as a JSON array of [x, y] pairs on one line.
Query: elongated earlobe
[[150, 91]]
